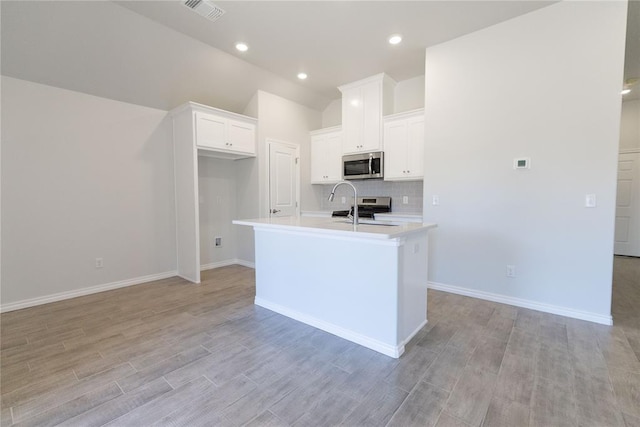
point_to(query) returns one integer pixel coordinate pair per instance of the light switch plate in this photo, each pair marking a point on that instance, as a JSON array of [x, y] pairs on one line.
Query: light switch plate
[[435, 200], [590, 201]]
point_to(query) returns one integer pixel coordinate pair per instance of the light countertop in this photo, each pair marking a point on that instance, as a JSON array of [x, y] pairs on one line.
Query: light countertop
[[338, 226]]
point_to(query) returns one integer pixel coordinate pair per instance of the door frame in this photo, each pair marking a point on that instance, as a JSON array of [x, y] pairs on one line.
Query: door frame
[[269, 142]]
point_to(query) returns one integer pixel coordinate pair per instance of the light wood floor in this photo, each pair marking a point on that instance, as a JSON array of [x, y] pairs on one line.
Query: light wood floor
[[172, 353]]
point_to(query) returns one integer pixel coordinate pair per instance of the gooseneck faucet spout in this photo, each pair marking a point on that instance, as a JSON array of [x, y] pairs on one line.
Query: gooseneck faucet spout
[[355, 199]]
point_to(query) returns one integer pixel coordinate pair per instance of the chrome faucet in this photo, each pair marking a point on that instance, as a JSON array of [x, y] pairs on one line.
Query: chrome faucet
[[355, 199]]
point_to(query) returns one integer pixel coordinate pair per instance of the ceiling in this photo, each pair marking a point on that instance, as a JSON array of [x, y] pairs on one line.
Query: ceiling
[[334, 42], [161, 54]]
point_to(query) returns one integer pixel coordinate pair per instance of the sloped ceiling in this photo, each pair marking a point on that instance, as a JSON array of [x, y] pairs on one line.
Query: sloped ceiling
[[161, 54]]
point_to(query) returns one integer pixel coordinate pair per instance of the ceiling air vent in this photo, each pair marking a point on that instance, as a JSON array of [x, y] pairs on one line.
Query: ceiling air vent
[[205, 8]]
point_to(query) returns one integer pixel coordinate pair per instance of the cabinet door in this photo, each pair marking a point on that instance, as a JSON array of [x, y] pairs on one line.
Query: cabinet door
[[352, 120], [395, 150], [415, 148], [326, 158], [242, 136], [318, 173], [371, 117], [333, 157], [210, 131]]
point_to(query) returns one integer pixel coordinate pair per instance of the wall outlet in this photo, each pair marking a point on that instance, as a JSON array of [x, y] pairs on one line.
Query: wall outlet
[[435, 200], [405, 200], [218, 241], [99, 263], [590, 201], [343, 199], [511, 271]]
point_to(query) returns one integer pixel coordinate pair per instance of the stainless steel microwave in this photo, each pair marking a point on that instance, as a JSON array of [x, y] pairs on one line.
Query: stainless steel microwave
[[363, 165]]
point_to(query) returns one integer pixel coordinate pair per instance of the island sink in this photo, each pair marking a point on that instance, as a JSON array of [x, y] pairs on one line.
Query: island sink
[[367, 284]]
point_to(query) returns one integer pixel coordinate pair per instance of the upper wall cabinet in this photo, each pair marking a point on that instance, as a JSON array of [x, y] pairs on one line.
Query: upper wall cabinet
[[363, 104], [326, 155], [404, 146], [219, 133]]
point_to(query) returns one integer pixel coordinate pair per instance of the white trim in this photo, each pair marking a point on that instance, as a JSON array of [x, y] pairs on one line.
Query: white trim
[[225, 263], [519, 302], [380, 347], [630, 151], [244, 263], [413, 334], [84, 291]]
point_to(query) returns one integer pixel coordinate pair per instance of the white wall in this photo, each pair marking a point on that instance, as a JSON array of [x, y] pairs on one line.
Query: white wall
[[217, 190], [545, 85], [630, 125], [282, 120], [332, 114], [82, 177], [409, 94]]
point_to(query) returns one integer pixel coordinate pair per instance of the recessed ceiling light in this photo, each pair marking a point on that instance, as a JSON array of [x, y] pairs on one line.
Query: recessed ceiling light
[[302, 76], [395, 39], [242, 47], [625, 91]]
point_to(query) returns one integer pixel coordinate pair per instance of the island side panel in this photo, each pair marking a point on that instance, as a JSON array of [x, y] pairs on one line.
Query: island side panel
[[345, 286], [413, 288]]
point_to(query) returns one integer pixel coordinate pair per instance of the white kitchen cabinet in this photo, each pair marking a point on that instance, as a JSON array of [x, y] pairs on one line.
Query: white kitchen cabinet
[[404, 146], [363, 104], [201, 130], [326, 156], [219, 133]]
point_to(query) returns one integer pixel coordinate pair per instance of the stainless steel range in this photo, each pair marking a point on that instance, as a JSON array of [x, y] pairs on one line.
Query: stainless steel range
[[367, 207]]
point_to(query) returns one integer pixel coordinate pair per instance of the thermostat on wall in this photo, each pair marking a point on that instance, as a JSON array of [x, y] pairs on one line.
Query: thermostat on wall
[[522, 163]]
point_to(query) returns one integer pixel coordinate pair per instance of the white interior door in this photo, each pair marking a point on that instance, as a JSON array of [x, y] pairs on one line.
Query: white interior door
[[627, 234], [283, 179]]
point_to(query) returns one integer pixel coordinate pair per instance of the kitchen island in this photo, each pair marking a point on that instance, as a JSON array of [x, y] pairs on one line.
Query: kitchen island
[[367, 284]]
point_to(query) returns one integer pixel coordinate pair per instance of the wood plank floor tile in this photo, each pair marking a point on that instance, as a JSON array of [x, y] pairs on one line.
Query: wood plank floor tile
[[35, 389], [261, 398], [294, 405], [488, 354], [162, 368], [516, 379], [65, 362], [377, 407], [64, 411], [175, 400], [447, 420], [207, 409], [506, 413], [445, 371], [596, 403], [330, 411], [631, 420], [626, 386], [471, 396], [61, 395], [407, 374], [552, 404], [421, 407], [120, 405], [438, 337], [266, 419]]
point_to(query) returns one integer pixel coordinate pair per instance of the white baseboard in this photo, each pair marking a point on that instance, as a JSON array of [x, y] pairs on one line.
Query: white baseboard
[[226, 263], [519, 302], [363, 340], [84, 291]]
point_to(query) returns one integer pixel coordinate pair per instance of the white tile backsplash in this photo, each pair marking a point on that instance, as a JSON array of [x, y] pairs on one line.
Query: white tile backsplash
[[375, 187]]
